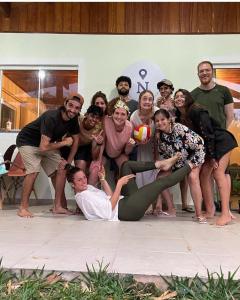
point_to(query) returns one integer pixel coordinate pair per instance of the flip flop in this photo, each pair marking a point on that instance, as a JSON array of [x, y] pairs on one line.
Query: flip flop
[[200, 220], [165, 214], [188, 209]]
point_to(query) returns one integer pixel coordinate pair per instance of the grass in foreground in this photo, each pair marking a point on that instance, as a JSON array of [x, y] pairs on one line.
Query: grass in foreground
[[98, 284]]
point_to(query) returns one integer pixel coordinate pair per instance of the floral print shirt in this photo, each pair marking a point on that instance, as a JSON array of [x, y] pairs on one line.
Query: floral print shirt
[[184, 140]]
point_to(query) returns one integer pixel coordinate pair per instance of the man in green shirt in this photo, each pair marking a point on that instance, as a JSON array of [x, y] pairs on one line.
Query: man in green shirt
[[216, 98], [218, 101]]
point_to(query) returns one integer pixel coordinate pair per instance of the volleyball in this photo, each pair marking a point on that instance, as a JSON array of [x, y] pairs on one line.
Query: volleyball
[[142, 133]]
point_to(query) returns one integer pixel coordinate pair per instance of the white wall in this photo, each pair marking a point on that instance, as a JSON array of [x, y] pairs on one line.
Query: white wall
[[102, 58]]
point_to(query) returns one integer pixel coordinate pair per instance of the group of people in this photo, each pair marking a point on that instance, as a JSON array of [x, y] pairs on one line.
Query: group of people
[[188, 144]]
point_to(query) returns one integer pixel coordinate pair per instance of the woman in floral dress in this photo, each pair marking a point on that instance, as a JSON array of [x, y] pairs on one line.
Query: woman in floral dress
[[174, 137]]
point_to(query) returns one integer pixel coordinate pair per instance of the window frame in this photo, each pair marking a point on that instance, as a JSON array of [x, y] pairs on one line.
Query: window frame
[[37, 67]]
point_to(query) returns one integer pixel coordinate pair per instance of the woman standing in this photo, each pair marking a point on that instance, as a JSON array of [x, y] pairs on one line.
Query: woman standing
[[118, 132], [166, 101], [145, 149], [218, 142], [100, 99], [174, 137]]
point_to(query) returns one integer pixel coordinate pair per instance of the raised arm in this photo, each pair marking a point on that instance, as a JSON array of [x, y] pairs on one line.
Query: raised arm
[[97, 145], [105, 186], [46, 145], [117, 192], [74, 148]]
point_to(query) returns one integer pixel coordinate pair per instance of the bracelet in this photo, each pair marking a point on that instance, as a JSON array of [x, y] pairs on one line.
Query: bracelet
[[99, 144], [102, 178]]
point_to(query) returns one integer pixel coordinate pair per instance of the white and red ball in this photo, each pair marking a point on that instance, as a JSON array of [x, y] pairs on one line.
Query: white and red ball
[[142, 133]]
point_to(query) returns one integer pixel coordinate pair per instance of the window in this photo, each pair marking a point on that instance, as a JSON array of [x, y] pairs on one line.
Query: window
[[26, 94], [230, 77]]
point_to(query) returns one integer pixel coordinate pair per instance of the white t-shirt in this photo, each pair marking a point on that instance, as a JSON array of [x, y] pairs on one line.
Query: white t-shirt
[[95, 204]]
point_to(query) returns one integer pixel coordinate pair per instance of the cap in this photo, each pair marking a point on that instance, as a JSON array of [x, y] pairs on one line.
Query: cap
[[76, 97], [165, 82]]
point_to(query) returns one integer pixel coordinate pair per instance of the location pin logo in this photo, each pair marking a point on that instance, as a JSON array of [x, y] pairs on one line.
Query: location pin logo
[[143, 73]]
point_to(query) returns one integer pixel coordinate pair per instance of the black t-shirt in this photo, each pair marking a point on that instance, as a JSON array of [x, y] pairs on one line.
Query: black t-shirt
[[51, 124]]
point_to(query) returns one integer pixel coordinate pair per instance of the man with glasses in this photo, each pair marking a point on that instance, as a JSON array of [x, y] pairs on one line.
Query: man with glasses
[[39, 143]]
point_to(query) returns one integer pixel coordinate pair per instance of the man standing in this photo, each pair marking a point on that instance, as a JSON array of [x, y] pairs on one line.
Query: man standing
[[165, 100], [216, 98], [39, 143], [91, 143], [123, 85]]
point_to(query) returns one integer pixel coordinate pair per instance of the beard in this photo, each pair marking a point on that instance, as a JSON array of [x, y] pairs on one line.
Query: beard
[[123, 92], [69, 114]]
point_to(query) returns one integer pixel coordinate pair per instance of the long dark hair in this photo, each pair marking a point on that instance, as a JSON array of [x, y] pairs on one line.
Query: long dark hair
[[71, 171], [162, 111], [189, 104], [100, 94]]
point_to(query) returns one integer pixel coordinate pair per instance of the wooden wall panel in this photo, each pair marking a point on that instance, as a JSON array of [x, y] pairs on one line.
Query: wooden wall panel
[[84, 17], [49, 17], [98, 17], [202, 17], [58, 17], [32, 14], [116, 17], [41, 18], [67, 17], [121, 17], [76, 15]]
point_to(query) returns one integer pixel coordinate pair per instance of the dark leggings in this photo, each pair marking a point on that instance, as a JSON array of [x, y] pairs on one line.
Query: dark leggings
[[136, 201]]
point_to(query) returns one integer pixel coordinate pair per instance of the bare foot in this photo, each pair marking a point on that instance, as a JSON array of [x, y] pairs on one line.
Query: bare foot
[[224, 220], [209, 215], [24, 213], [62, 211], [232, 216], [172, 212], [166, 164], [157, 211]]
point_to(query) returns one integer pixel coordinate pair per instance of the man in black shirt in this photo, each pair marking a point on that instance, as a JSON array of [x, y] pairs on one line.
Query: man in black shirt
[[123, 85], [39, 143]]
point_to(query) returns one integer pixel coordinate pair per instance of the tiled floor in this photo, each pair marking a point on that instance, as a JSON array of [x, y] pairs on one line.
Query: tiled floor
[[151, 246]]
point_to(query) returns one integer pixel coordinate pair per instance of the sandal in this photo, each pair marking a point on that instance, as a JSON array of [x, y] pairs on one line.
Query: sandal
[[165, 214], [149, 212], [200, 220], [188, 209]]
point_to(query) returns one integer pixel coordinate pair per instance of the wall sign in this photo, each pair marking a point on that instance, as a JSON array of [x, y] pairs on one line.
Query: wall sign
[[144, 75]]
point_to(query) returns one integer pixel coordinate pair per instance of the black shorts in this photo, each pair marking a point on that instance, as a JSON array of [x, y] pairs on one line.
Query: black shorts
[[83, 153]]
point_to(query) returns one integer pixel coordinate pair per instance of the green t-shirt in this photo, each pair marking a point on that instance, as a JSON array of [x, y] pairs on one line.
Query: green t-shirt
[[214, 101]]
